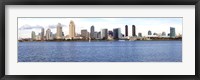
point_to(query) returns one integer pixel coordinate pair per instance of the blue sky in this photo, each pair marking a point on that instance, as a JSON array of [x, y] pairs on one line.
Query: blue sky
[[158, 25]]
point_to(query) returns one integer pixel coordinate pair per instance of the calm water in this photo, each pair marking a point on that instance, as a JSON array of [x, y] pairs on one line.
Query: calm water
[[110, 51]]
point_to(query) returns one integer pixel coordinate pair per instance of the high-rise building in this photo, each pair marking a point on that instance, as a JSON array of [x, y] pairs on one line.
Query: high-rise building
[[48, 34], [92, 32], [117, 33], [110, 33], [59, 32], [63, 34], [172, 32], [133, 30], [72, 32], [42, 34], [99, 35], [104, 34], [84, 33], [55, 36], [139, 34], [52, 36], [38, 37], [163, 34], [149, 32], [95, 35], [126, 30], [88, 35], [33, 36]]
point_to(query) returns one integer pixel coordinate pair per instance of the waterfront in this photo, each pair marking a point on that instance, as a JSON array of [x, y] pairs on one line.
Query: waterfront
[[100, 51]]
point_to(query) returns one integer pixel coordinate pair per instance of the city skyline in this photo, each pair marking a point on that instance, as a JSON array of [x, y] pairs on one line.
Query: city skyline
[[152, 24]]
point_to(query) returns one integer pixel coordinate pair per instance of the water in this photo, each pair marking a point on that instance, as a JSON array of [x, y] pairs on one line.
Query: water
[[104, 51]]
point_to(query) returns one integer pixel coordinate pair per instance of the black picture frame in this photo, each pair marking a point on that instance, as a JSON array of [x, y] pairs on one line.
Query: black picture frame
[[99, 2]]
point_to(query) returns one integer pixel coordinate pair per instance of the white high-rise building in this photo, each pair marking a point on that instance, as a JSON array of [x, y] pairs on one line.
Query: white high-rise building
[[33, 36], [72, 32], [59, 31], [48, 34]]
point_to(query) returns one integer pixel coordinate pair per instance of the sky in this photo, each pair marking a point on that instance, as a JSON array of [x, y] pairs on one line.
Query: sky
[[143, 25]]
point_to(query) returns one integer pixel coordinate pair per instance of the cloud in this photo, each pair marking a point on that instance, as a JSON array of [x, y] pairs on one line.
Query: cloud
[[28, 27], [54, 26]]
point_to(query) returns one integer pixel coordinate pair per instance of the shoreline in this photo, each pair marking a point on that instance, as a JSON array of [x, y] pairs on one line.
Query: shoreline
[[96, 40]]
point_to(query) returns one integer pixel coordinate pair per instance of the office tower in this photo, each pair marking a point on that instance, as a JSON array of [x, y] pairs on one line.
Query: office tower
[[172, 32], [133, 30], [39, 36], [42, 34], [48, 34], [33, 36], [72, 32], [110, 33], [84, 34], [92, 32], [95, 35], [99, 35], [126, 30], [139, 34], [63, 34], [104, 34], [163, 34], [88, 35], [52, 36], [117, 33], [59, 31], [149, 32]]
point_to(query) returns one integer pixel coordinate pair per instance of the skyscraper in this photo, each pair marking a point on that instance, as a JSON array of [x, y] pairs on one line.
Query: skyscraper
[[126, 30], [172, 32], [99, 35], [52, 35], [117, 33], [95, 35], [133, 30], [72, 32], [92, 32], [149, 32], [59, 31], [33, 36], [104, 34], [42, 34], [84, 33], [39, 36], [48, 34], [110, 33]]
